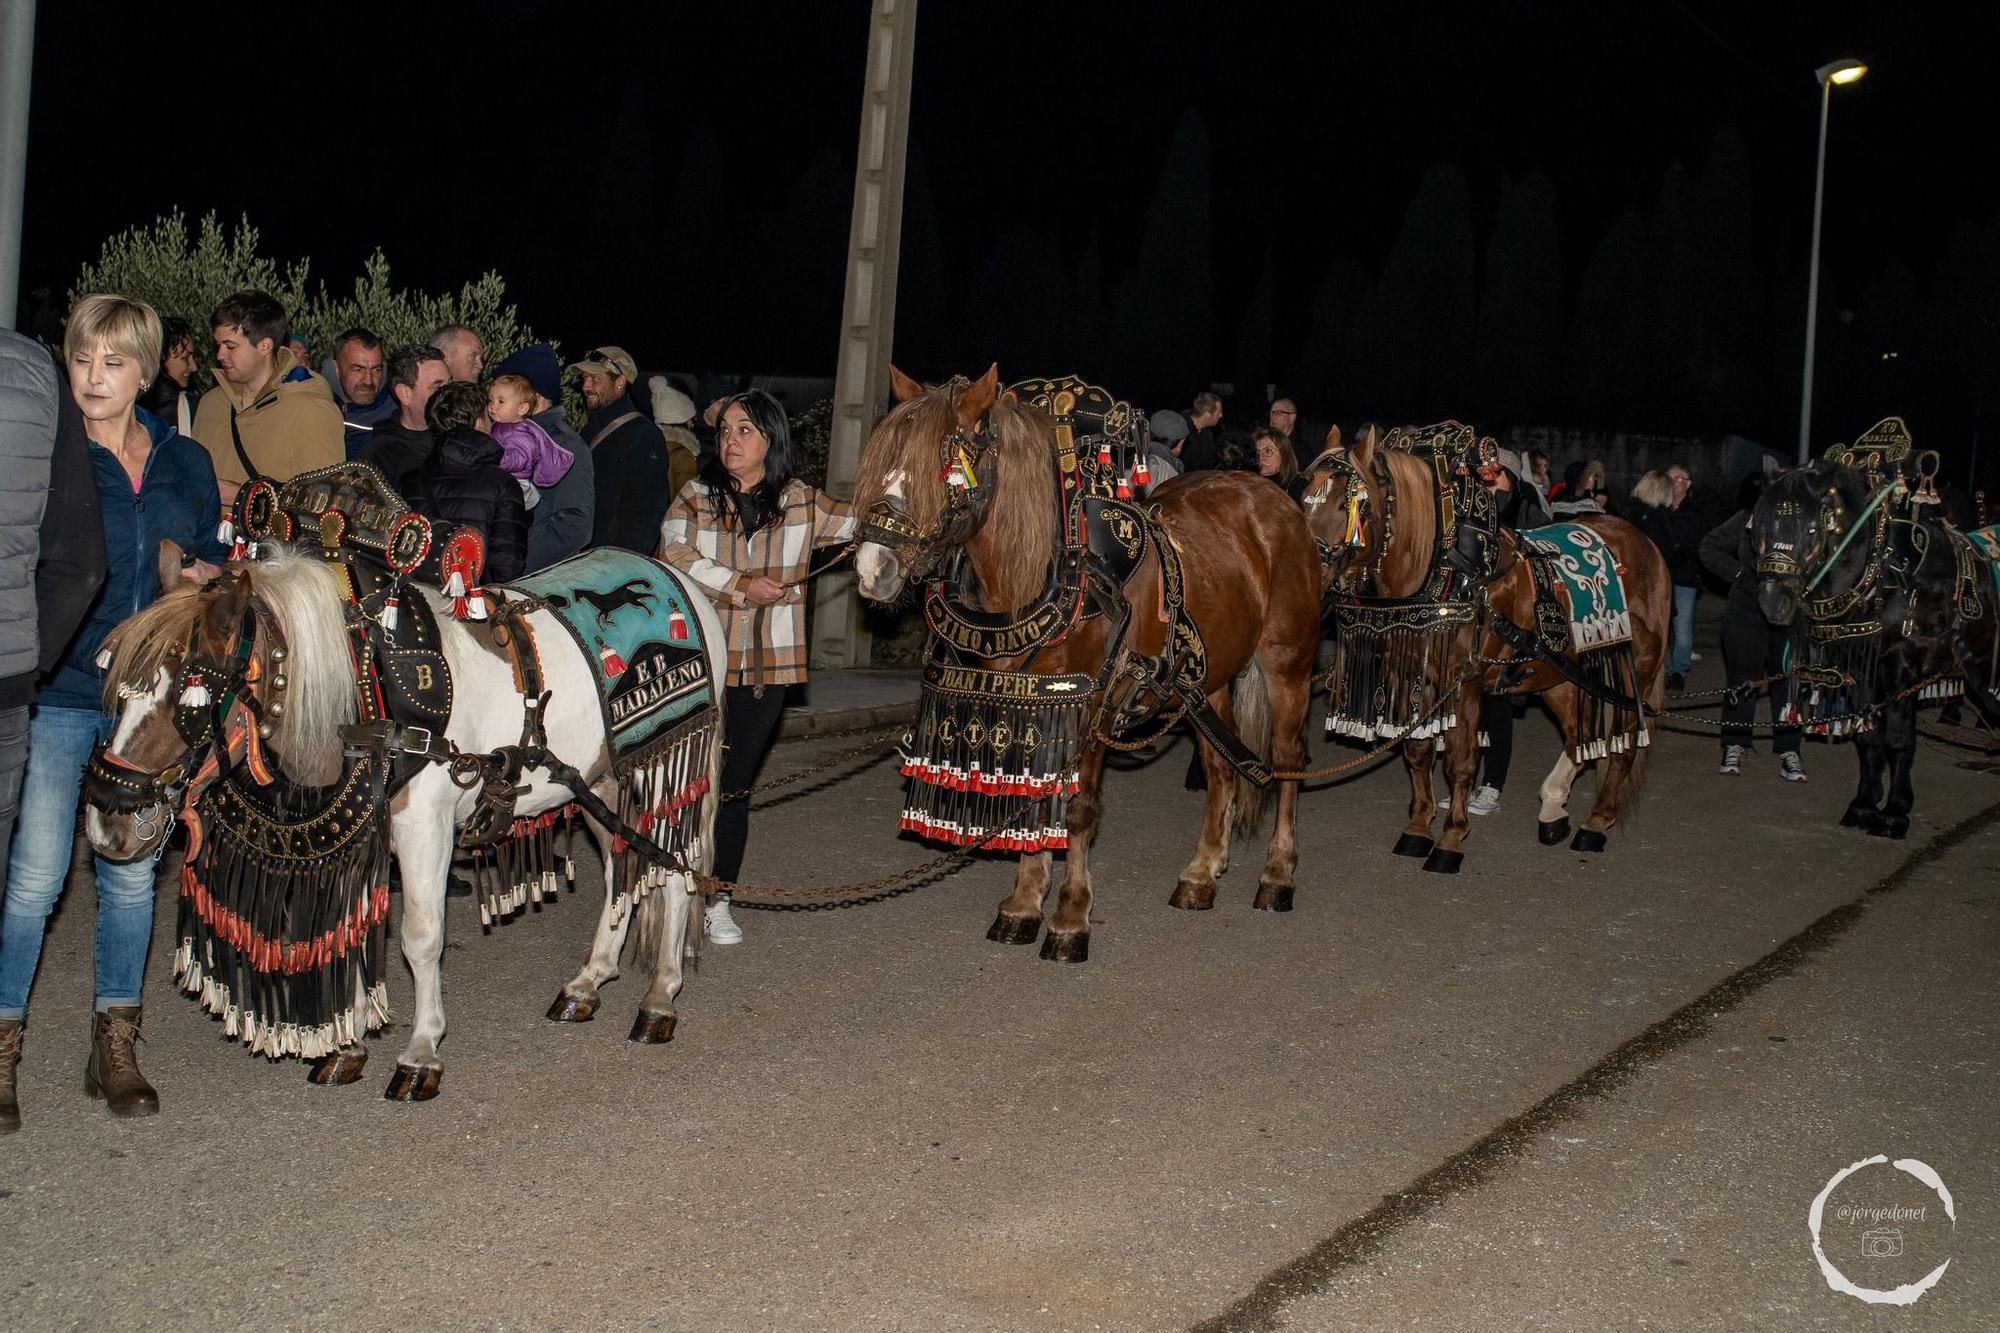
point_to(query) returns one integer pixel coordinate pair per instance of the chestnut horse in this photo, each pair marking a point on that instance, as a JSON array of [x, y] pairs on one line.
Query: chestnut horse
[[1251, 589], [1400, 569]]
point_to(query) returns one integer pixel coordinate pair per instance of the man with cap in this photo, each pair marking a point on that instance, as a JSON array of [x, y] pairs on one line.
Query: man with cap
[[1166, 432], [560, 525], [628, 453]]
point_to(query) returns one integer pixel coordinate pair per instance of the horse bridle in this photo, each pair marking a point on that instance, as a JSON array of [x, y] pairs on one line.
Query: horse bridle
[[1360, 508], [205, 689], [963, 458]]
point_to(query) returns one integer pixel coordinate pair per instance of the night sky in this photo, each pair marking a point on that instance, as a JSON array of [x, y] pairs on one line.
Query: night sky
[[680, 184]]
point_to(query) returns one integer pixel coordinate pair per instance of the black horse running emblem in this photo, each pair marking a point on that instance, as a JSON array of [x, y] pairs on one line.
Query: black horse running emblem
[[632, 592]]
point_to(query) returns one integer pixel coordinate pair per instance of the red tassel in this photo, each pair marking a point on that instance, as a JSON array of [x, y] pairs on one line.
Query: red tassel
[[1122, 490], [1141, 474], [677, 626], [614, 665], [1104, 454]]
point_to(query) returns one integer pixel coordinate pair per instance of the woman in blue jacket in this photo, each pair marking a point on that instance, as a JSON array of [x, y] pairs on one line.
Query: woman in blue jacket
[[153, 484]]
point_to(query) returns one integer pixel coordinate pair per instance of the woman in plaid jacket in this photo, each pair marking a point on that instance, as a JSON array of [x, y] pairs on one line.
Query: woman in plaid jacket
[[745, 530]]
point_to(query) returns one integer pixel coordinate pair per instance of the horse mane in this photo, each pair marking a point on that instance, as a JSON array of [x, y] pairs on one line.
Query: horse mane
[[1018, 536], [1416, 534], [302, 597]]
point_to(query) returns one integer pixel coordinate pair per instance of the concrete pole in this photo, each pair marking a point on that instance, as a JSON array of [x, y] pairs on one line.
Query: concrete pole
[[868, 315], [17, 68], [1812, 280]]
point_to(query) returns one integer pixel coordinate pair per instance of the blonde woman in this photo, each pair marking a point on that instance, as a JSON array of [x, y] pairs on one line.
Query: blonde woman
[[153, 484]]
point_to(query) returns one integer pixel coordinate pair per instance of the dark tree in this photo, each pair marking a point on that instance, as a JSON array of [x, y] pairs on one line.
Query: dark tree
[[1519, 342], [1161, 310], [1424, 302], [1612, 342]]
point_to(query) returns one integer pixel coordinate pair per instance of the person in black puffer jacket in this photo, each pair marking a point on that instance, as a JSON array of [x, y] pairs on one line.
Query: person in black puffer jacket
[[462, 481]]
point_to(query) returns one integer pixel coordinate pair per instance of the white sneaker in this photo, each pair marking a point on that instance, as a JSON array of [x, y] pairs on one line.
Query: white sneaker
[[718, 926], [1694, 657], [1732, 760], [1484, 801], [1791, 768]]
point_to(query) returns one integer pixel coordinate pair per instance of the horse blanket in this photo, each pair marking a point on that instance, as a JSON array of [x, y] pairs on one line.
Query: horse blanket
[[1586, 577], [1986, 541], [635, 620]]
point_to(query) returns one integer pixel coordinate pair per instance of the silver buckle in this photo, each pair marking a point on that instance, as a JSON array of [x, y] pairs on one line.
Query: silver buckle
[[405, 743]]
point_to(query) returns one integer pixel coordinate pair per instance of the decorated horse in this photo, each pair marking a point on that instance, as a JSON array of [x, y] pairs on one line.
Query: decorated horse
[[352, 692], [1893, 606], [1434, 604], [1063, 615]]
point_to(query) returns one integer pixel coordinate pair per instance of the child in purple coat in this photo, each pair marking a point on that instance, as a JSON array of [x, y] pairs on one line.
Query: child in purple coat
[[527, 452]]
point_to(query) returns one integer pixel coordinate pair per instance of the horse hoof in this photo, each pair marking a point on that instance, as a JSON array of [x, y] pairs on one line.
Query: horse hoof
[[652, 1029], [1413, 844], [1192, 897], [1014, 929], [1588, 840], [1552, 831], [343, 1066], [1066, 946], [1272, 897], [1888, 826], [573, 1008], [1858, 817], [1442, 861], [413, 1083]]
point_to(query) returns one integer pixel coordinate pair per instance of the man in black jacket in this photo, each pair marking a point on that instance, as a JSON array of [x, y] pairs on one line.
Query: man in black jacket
[[402, 443], [628, 454], [51, 544]]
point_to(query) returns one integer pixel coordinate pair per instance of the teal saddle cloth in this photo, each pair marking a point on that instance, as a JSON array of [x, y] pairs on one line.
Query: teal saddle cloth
[[1986, 541], [1586, 574], [636, 623]]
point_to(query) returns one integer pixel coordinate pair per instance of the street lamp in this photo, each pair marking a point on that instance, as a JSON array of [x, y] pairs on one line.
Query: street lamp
[[1839, 71]]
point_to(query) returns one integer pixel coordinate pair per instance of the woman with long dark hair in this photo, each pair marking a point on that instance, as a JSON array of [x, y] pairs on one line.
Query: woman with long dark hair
[[745, 529]]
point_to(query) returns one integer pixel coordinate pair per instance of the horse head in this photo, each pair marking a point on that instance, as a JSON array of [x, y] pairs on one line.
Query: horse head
[[925, 479], [1796, 535], [253, 663], [1341, 506]]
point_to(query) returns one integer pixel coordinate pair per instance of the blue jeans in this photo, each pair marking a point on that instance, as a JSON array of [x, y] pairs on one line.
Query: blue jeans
[[59, 744], [1680, 652]]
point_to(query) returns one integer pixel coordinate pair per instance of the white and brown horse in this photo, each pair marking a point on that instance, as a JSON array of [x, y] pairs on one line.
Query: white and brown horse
[[283, 621]]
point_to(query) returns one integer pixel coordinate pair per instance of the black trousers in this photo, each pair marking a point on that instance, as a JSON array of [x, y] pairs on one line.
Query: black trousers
[[1496, 719], [1752, 647], [749, 726]]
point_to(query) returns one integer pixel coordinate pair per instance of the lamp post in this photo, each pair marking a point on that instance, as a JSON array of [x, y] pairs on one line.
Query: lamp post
[[1839, 71]]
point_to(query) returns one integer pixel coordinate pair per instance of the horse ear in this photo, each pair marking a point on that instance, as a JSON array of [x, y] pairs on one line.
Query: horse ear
[[1362, 452], [978, 398], [228, 599], [902, 387], [1332, 438], [169, 565]]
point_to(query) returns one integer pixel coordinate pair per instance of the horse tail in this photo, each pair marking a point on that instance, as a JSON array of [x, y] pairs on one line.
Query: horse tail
[[1250, 702]]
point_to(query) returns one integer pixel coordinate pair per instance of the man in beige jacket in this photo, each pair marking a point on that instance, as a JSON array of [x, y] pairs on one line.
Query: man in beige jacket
[[267, 416]]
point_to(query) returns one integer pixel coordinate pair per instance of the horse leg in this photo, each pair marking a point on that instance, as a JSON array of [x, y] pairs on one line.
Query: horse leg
[[1020, 916], [1899, 745], [1195, 892], [578, 1000], [1868, 754], [1552, 823], [1416, 839], [663, 934], [1289, 694], [343, 1065], [1068, 940], [423, 841], [1461, 765]]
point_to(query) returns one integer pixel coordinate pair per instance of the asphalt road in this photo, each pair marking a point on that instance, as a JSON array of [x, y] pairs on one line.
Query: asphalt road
[[1552, 1091]]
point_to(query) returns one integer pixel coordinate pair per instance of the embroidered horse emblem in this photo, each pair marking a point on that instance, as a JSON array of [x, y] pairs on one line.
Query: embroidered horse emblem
[[610, 601]]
